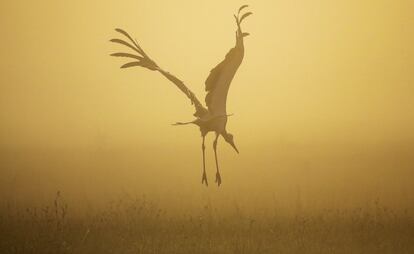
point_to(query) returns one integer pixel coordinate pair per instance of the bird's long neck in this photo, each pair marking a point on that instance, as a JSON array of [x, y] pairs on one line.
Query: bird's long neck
[[225, 134]]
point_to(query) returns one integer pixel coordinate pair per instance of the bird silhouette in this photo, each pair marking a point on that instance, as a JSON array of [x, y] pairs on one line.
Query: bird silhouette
[[214, 117]]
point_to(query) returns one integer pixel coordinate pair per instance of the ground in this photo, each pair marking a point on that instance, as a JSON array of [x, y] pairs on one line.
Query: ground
[[137, 226]]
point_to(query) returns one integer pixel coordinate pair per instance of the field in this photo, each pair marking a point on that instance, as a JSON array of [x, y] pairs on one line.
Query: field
[[135, 225]]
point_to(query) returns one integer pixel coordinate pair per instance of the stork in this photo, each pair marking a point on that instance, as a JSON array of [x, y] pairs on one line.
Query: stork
[[214, 117]]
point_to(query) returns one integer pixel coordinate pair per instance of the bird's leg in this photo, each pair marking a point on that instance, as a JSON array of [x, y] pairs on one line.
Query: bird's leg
[[204, 179], [218, 177]]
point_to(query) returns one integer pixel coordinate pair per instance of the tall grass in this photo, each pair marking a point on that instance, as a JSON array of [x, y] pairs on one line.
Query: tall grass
[[139, 226]]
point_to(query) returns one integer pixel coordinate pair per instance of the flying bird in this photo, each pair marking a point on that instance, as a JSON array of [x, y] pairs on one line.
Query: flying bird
[[212, 118]]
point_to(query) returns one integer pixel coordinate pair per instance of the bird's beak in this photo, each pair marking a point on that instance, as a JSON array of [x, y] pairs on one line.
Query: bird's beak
[[234, 146]]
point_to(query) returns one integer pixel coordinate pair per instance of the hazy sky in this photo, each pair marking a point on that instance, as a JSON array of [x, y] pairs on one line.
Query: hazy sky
[[319, 79]]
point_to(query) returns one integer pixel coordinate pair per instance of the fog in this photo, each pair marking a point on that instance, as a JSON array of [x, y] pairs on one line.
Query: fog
[[323, 104]]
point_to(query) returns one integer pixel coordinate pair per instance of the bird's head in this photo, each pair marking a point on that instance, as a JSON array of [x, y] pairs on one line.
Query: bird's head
[[229, 139]]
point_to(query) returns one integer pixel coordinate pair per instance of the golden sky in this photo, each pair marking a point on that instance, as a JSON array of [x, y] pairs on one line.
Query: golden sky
[[320, 79]]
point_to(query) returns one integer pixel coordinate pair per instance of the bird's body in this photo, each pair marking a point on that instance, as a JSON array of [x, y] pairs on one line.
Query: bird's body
[[212, 124], [214, 117]]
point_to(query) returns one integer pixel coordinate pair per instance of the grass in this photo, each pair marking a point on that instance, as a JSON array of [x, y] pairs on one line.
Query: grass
[[138, 226]]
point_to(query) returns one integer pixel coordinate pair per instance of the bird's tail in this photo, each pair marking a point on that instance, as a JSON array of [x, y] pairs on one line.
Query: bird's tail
[[181, 123]]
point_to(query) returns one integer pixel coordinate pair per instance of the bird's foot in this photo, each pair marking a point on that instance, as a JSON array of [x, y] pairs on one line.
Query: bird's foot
[[218, 179], [204, 179]]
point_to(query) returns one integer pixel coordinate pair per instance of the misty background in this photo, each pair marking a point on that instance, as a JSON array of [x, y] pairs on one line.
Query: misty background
[[323, 103]]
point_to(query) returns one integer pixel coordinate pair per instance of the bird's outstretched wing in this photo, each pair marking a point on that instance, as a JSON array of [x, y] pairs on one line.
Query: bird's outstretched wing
[[143, 60], [219, 80]]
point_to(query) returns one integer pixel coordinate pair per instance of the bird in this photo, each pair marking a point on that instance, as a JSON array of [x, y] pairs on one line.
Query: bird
[[212, 117]]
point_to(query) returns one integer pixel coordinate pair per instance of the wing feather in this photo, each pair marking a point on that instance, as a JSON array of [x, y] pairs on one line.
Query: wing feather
[[242, 7], [245, 16], [138, 47], [127, 55], [131, 64], [126, 44]]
